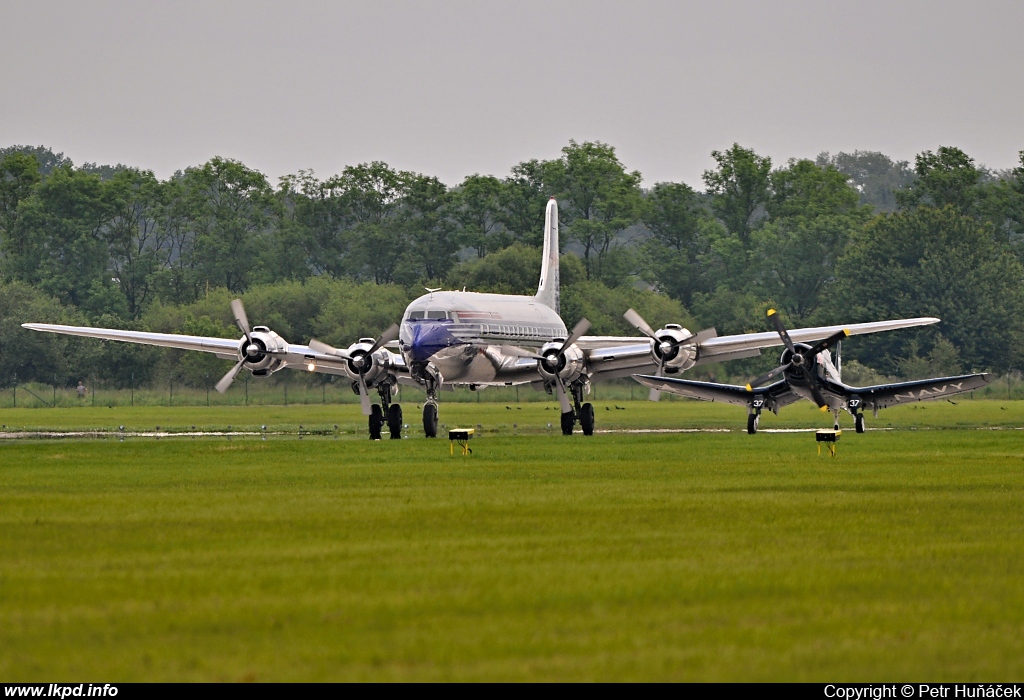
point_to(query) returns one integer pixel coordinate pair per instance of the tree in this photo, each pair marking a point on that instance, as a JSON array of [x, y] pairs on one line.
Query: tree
[[231, 206], [477, 208], [523, 197], [676, 218], [57, 243], [19, 174], [137, 245], [934, 262], [598, 199], [812, 213], [945, 178], [739, 189], [874, 175]]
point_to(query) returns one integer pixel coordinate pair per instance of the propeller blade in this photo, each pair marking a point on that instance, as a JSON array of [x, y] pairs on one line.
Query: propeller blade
[[326, 349], [700, 337], [364, 395], [655, 394], [816, 393], [579, 329], [513, 351], [765, 378], [385, 338], [228, 378], [781, 329], [241, 319], [563, 398], [638, 322], [826, 343]]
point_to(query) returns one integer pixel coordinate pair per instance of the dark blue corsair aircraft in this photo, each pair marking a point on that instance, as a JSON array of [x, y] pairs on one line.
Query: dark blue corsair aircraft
[[809, 373]]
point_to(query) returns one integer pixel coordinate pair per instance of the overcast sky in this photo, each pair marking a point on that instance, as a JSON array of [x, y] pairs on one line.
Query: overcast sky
[[454, 88]]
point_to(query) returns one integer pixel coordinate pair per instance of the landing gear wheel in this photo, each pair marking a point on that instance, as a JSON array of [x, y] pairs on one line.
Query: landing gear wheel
[[835, 426], [858, 422], [395, 421], [752, 420], [587, 418], [568, 421], [376, 421], [430, 420]]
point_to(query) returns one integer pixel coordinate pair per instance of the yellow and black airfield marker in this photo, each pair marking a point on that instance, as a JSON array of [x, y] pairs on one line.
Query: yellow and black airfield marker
[[462, 437]]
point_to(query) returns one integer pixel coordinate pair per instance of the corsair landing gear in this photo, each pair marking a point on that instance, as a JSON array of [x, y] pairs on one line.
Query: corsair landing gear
[[752, 421], [858, 422]]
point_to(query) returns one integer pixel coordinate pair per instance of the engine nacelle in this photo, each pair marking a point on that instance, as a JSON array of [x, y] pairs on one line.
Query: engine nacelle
[[668, 351], [373, 367], [258, 357], [794, 373], [568, 366]]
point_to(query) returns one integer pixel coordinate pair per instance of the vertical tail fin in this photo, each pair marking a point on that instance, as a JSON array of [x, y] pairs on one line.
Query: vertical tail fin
[[547, 290]]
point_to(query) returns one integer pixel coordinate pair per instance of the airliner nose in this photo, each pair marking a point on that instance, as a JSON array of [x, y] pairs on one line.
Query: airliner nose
[[428, 339]]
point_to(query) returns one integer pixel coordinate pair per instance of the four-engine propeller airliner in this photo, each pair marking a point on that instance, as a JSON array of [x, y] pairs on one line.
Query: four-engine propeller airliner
[[449, 338], [808, 372]]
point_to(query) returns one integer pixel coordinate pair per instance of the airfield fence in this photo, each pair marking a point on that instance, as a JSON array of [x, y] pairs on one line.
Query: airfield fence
[[278, 392], [275, 392]]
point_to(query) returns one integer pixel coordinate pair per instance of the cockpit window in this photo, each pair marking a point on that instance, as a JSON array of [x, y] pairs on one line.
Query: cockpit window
[[416, 315], [437, 314]]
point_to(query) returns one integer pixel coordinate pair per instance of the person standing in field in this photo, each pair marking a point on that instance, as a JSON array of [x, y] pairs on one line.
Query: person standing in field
[[81, 390]]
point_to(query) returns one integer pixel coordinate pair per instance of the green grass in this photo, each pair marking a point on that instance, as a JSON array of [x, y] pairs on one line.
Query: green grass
[[670, 556], [504, 418]]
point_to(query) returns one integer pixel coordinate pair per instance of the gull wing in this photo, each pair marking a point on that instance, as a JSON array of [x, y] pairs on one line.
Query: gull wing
[[775, 395], [884, 395]]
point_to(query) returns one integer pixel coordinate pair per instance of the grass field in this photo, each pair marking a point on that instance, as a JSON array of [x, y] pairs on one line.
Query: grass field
[[694, 556]]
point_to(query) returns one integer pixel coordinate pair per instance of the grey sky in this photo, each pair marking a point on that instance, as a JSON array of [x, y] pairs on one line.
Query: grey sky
[[453, 88]]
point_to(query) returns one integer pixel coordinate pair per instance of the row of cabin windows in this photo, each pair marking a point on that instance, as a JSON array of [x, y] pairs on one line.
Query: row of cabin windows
[[503, 329]]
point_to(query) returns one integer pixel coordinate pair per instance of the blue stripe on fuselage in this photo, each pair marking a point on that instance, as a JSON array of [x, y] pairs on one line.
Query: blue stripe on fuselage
[[423, 339]]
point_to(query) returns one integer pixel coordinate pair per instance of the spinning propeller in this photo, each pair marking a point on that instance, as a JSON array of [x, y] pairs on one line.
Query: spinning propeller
[[253, 349], [804, 361], [664, 345], [578, 330], [359, 360]]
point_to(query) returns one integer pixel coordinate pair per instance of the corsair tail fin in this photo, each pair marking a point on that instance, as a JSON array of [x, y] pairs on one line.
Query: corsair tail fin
[[547, 290]]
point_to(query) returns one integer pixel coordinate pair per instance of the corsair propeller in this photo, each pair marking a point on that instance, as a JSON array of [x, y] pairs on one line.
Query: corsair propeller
[[804, 361]]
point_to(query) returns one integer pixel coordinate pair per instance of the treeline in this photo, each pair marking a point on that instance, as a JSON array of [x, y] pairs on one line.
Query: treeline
[[844, 238]]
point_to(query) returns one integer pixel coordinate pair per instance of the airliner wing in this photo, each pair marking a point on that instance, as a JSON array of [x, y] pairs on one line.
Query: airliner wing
[[296, 356], [226, 348], [716, 349], [885, 395], [611, 357]]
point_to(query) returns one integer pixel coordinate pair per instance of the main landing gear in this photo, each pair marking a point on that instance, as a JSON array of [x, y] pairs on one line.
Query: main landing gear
[[582, 412], [385, 413], [858, 422], [753, 419]]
